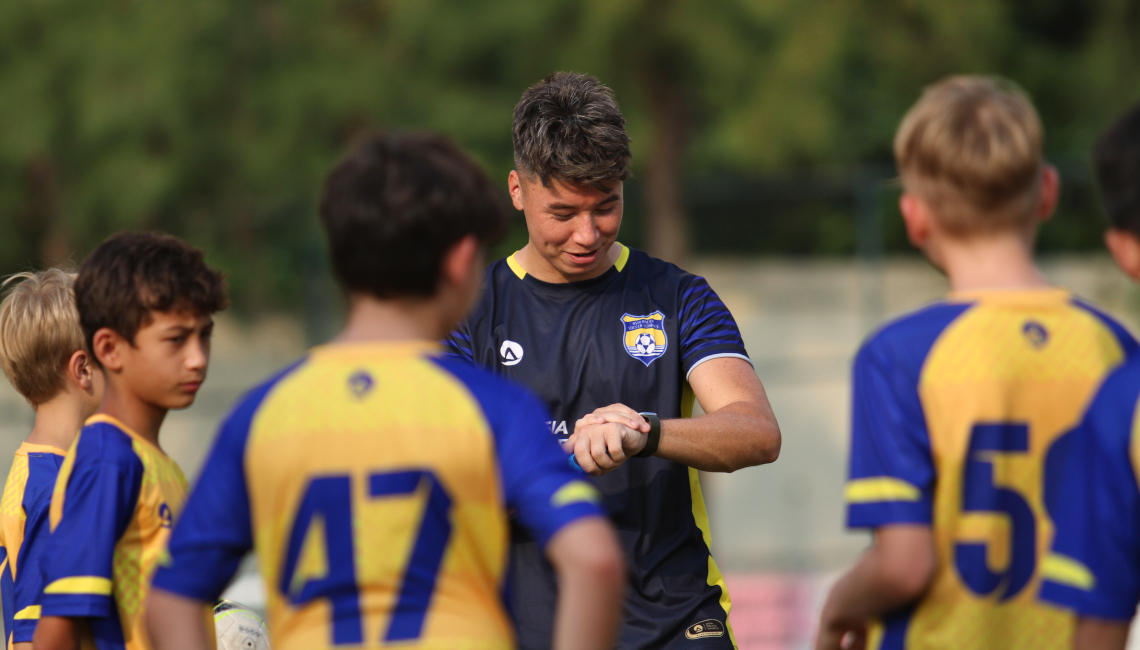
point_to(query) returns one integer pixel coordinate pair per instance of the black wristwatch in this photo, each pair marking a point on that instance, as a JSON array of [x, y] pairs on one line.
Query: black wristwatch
[[654, 437]]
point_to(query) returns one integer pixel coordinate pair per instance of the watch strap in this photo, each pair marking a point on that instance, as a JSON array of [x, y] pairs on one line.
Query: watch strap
[[653, 439]]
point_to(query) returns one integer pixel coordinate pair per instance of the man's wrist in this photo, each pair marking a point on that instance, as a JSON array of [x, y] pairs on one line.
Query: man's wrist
[[653, 438]]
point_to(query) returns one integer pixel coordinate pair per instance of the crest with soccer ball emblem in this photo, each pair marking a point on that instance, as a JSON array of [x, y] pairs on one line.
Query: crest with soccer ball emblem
[[645, 338]]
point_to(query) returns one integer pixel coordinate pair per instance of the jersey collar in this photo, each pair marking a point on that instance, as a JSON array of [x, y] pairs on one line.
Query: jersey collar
[[520, 273]]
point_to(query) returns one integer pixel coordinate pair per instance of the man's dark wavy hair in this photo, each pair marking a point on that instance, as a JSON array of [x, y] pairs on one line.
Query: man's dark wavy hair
[[132, 274], [395, 205], [569, 127], [1116, 158]]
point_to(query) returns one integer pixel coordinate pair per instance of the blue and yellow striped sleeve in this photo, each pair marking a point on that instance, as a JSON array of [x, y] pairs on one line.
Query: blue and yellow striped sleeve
[[215, 529], [1092, 496], [892, 472], [538, 484], [95, 498], [706, 327]]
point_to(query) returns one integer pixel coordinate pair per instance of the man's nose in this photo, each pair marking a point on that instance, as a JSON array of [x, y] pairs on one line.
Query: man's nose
[[586, 231]]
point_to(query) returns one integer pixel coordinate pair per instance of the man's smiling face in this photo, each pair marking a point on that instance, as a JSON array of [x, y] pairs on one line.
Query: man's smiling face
[[572, 226]]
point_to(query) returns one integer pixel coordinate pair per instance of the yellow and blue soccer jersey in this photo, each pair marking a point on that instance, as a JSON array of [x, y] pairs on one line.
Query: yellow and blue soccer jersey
[[955, 408], [1092, 495], [24, 531], [374, 480], [111, 514]]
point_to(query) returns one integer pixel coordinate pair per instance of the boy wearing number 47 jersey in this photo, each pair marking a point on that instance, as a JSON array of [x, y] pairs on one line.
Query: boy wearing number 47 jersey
[[145, 303], [373, 477], [1091, 481], [956, 405]]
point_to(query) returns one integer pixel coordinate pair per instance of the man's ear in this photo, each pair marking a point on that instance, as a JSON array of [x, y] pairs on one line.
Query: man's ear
[[107, 345], [1125, 248], [916, 218], [1050, 193], [514, 187]]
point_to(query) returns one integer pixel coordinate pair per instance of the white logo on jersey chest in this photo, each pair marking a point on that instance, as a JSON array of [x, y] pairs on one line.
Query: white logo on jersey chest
[[511, 353]]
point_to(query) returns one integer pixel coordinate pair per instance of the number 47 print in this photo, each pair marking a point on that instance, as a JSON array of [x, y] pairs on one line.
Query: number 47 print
[[330, 499]]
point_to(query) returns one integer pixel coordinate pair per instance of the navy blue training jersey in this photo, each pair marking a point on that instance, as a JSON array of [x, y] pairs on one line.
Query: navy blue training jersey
[[629, 336]]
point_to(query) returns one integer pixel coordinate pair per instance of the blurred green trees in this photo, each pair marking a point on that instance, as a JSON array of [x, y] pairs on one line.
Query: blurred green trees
[[217, 119]]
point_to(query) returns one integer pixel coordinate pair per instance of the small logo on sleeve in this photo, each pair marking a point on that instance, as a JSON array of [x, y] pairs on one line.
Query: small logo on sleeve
[[705, 629], [164, 515], [645, 338], [511, 353]]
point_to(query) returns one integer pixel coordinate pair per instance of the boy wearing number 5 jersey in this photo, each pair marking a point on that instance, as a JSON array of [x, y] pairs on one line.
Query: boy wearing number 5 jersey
[[373, 478], [957, 405]]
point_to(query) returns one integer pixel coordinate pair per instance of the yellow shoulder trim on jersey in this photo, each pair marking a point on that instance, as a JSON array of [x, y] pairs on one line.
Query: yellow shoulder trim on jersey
[[80, 585], [574, 492], [1064, 570], [715, 577], [880, 488], [29, 613], [515, 266], [623, 257]]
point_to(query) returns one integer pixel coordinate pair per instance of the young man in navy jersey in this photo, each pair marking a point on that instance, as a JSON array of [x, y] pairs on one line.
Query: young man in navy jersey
[[619, 345]]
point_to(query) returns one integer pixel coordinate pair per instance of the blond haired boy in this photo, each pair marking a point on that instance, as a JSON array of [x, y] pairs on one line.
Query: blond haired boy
[[957, 405], [43, 355]]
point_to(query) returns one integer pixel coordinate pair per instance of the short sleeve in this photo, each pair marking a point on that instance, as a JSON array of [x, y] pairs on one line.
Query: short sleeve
[[1092, 496], [458, 344], [28, 585], [892, 471], [539, 486], [706, 327], [215, 529], [100, 493]]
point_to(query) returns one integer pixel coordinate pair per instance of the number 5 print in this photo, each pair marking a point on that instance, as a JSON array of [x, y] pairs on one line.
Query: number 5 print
[[979, 494]]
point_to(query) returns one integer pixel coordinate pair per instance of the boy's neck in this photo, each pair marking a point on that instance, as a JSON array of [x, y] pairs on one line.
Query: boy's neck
[[999, 261], [142, 418], [372, 319], [58, 420]]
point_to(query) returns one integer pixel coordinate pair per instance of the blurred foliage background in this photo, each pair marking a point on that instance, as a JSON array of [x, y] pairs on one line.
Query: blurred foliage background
[[759, 126]]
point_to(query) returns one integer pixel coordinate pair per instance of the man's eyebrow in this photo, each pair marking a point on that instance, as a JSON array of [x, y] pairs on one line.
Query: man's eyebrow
[[566, 206]]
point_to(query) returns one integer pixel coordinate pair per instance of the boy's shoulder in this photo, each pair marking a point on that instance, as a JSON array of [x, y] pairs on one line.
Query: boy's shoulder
[[1112, 413], [104, 440], [494, 393], [907, 339]]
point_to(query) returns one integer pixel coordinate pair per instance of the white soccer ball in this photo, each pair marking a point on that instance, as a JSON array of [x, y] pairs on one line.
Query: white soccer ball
[[238, 628], [645, 344]]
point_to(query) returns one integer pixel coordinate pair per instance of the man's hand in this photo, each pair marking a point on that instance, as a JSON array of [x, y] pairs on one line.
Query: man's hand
[[606, 438]]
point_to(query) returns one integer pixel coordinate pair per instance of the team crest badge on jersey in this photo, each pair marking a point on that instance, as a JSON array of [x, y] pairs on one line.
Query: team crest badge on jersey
[[645, 338]]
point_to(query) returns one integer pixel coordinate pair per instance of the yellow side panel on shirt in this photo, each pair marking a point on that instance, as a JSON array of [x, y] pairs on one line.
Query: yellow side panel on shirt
[[385, 483], [999, 386]]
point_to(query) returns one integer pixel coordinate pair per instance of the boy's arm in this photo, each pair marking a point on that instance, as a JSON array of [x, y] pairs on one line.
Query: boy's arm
[[56, 633], [588, 561], [559, 508], [894, 573], [174, 621], [1101, 634]]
